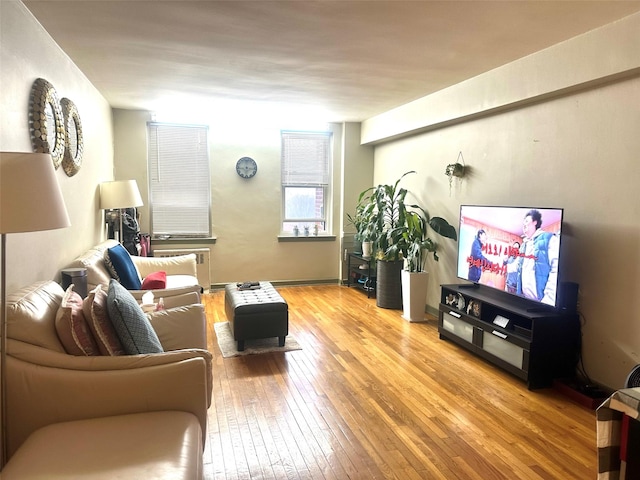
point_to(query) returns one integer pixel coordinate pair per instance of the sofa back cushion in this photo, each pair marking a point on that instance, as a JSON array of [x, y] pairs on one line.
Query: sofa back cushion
[[93, 261], [31, 315], [72, 327]]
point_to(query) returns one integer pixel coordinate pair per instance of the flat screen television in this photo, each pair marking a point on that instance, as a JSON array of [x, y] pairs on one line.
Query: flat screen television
[[512, 249]]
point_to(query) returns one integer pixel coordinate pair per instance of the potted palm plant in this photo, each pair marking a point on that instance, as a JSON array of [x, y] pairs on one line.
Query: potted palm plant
[[385, 210], [362, 223]]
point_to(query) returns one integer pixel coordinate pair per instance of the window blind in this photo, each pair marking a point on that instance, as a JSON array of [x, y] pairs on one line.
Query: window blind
[[178, 160], [305, 158]]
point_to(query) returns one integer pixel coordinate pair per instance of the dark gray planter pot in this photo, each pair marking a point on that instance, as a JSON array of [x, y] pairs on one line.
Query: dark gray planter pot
[[389, 284]]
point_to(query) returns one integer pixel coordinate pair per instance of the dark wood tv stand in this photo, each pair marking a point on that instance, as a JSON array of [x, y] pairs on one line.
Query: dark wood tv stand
[[537, 345]]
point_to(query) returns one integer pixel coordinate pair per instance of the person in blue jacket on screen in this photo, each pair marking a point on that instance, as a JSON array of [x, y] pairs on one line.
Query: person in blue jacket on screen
[[539, 253], [477, 259]]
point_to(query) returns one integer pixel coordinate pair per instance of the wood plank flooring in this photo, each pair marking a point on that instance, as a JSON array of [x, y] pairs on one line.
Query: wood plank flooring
[[372, 396]]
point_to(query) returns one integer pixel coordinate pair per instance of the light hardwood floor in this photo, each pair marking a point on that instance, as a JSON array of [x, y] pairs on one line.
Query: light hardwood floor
[[372, 396]]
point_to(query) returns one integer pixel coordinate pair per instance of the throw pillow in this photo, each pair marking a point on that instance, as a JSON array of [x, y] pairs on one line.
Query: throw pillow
[[119, 262], [72, 328], [154, 281], [131, 324], [95, 311]]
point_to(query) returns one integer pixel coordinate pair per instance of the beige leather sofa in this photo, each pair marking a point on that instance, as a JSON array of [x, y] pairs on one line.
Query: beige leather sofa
[[104, 417], [181, 270]]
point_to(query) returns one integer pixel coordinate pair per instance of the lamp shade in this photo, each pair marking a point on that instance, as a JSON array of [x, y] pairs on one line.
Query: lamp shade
[[30, 197], [120, 194]]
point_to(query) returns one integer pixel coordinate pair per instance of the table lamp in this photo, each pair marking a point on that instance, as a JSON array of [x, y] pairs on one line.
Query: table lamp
[[118, 195], [30, 201]]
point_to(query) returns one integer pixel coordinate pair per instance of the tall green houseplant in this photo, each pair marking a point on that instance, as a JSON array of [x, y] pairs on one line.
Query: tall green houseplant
[[399, 231], [416, 240], [415, 280]]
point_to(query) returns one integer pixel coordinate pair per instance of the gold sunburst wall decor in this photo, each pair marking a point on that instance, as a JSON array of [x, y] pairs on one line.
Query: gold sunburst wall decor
[[46, 121], [74, 141]]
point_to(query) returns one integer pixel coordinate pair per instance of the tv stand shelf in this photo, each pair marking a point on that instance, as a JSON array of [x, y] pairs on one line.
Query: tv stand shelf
[[537, 345]]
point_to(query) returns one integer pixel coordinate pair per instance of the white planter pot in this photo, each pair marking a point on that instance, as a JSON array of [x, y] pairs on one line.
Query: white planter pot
[[367, 249], [414, 295]]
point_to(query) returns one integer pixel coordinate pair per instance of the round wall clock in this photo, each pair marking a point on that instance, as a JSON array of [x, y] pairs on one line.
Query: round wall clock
[[246, 167], [74, 142], [46, 121]]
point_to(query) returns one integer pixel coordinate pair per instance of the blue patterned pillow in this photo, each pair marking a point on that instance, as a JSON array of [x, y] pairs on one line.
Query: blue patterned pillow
[[119, 261], [130, 323]]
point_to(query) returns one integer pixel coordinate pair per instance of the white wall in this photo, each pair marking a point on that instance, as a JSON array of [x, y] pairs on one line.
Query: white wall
[[357, 170], [559, 129], [28, 53], [245, 213]]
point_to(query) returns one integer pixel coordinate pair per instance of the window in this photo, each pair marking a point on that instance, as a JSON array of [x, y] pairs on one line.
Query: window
[[179, 183], [305, 180]]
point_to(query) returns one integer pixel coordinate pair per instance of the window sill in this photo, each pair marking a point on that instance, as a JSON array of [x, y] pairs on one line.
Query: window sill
[[302, 238]]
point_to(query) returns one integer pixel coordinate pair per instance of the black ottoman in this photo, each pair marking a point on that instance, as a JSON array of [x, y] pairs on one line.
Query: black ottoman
[[259, 313]]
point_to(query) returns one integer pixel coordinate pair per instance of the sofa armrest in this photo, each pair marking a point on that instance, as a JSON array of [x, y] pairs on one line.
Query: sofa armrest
[[39, 395], [113, 447], [180, 327], [178, 265], [182, 300]]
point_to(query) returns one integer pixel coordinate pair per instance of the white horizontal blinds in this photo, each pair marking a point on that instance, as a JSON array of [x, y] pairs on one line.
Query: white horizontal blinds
[[305, 158], [179, 180]]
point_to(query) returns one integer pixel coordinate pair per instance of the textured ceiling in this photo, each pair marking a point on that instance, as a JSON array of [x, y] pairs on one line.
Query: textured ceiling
[[348, 59]]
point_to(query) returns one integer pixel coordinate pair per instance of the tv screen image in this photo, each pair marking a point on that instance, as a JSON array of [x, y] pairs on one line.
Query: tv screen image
[[512, 249]]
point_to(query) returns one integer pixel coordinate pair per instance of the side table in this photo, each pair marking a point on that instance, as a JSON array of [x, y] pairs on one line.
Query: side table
[[77, 276], [362, 268]]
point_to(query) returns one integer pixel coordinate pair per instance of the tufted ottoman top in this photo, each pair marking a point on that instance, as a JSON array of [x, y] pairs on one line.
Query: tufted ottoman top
[[262, 300]]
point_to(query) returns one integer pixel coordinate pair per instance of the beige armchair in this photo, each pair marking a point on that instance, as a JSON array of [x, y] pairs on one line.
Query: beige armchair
[[46, 386], [181, 271]]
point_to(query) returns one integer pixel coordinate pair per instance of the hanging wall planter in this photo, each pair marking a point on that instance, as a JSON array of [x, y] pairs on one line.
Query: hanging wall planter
[[455, 170]]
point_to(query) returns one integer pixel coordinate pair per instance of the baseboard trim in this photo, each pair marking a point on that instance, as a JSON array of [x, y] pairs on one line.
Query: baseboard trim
[[287, 283], [432, 311]]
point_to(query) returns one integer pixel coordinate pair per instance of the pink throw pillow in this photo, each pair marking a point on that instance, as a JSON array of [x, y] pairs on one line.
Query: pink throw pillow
[[155, 281], [72, 327], [95, 310]]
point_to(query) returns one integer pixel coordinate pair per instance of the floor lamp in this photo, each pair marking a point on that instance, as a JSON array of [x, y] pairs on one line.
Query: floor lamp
[[30, 201], [118, 195]]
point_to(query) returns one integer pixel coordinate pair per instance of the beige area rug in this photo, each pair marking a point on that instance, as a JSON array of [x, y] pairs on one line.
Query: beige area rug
[[228, 346]]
